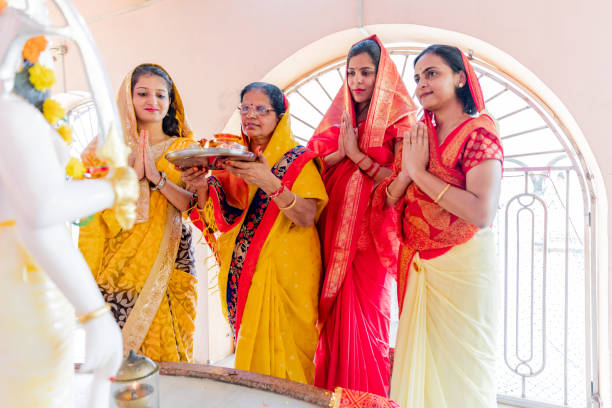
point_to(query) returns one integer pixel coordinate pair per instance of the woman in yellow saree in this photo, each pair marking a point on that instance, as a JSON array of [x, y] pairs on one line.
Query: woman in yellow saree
[[447, 190], [147, 274], [269, 251]]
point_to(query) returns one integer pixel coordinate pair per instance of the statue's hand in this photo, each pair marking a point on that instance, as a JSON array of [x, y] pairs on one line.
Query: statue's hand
[[103, 355]]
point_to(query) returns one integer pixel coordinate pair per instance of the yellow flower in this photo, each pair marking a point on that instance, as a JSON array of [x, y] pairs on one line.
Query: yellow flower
[[75, 168], [3, 4], [66, 133], [53, 111], [33, 47], [41, 77]]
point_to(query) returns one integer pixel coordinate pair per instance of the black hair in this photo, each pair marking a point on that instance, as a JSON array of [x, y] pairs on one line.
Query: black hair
[[452, 57], [369, 47], [276, 96], [170, 124]]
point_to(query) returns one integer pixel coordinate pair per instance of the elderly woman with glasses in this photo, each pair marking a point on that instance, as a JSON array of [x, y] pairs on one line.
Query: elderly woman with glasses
[[263, 216]]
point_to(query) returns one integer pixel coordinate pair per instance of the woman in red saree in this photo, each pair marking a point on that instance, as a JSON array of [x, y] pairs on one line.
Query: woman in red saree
[[359, 257], [447, 190]]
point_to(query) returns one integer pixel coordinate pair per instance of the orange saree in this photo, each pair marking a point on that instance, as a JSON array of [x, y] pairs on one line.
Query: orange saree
[[359, 257]]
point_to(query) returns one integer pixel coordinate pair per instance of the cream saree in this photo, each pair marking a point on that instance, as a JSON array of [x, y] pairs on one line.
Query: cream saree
[[446, 335]]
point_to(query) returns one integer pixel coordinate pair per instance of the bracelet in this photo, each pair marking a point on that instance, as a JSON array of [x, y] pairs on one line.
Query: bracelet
[[365, 156], [376, 171], [369, 168], [193, 201], [278, 192], [161, 183], [93, 314], [290, 206], [389, 194], [442, 193]]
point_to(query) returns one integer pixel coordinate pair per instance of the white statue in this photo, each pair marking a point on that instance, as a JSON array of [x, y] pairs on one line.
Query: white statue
[[42, 273]]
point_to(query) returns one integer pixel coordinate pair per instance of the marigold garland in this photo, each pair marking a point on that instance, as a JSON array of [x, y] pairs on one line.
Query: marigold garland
[[75, 168], [65, 132], [41, 77], [33, 47], [52, 111], [35, 90], [33, 82]]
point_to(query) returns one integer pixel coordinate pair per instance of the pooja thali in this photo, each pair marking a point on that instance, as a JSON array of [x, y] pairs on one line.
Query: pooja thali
[[207, 157]]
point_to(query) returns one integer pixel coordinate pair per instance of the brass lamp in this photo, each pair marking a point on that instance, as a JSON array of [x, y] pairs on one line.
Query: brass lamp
[[136, 384]]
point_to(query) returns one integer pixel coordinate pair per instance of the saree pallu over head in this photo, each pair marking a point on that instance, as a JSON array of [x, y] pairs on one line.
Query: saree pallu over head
[[250, 214], [128, 115], [390, 112], [130, 129], [426, 226]]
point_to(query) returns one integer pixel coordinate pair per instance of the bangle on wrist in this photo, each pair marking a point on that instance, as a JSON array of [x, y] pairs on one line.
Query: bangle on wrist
[[358, 162], [370, 167], [278, 192], [376, 171], [444, 190], [94, 314], [162, 182], [291, 205], [389, 195]]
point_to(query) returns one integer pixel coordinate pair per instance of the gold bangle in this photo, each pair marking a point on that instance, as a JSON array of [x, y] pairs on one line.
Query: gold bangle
[[442, 193], [94, 314], [290, 206], [389, 194]]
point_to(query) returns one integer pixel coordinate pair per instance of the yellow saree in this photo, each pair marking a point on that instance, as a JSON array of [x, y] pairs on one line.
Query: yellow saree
[[277, 333], [144, 273]]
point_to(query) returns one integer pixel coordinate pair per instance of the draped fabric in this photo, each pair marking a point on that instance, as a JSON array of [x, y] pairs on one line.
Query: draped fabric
[[345, 398], [270, 268], [359, 256], [36, 366], [445, 351], [147, 273]]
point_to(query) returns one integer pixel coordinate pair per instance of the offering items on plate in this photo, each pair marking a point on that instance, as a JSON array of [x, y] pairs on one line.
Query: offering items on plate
[[210, 152]]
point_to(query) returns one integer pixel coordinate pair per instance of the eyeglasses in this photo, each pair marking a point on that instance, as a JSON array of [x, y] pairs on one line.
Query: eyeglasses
[[259, 110]]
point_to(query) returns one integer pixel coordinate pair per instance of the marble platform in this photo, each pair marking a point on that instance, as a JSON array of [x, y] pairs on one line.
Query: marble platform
[[185, 385]]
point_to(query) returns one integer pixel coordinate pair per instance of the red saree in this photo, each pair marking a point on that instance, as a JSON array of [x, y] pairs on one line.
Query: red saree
[[359, 257]]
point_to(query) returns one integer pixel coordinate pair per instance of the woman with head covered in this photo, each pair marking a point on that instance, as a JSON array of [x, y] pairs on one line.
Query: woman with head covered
[[446, 189], [268, 248], [357, 139], [147, 273]]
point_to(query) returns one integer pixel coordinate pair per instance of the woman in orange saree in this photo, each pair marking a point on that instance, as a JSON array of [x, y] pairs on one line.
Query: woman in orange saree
[[147, 273], [446, 189], [359, 257]]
